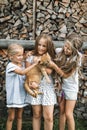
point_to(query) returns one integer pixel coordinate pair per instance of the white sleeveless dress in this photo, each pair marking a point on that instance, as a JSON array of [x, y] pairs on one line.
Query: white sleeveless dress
[[48, 97]]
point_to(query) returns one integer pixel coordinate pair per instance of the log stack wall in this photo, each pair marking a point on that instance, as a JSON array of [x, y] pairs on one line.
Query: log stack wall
[[26, 19]]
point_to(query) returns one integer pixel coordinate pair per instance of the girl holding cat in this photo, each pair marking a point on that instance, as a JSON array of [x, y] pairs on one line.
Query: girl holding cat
[[44, 103]]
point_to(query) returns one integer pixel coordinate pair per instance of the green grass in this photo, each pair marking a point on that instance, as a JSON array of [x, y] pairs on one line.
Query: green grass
[[79, 123], [27, 124]]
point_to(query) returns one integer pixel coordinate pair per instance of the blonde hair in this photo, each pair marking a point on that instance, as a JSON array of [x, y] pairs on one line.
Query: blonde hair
[[13, 49], [76, 41], [71, 64]]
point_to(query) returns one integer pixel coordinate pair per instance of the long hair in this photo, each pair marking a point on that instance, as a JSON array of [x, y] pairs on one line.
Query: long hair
[[49, 42], [67, 64], [76, 40], [71, 63]]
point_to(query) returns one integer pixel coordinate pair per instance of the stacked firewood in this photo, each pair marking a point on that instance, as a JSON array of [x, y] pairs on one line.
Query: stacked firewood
[[26, 19], [62, 17], [3, 63], [22, 19], [16, 19], [83, 81]]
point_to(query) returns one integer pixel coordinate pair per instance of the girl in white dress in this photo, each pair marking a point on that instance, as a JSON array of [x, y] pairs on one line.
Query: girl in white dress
[[15, 93], [43, 105]]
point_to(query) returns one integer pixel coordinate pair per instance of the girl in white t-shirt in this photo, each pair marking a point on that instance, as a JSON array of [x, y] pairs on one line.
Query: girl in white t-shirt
[[69, 60]]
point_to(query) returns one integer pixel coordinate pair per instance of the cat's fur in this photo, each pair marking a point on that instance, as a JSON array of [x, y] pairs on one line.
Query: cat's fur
[[35, 75]]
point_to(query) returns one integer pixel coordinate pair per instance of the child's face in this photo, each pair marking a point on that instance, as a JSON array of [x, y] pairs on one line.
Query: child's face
[[42, 46], [67, 49], [18, 57]]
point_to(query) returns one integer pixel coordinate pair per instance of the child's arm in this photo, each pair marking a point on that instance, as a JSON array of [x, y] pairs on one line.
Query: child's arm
[[24, 71], [59, 70]]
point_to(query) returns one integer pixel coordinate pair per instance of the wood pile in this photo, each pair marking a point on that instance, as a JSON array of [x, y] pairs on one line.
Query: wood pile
[[83, 80], [3, 63], [25, 19], [62, 17], [81, 106], [16, 19]]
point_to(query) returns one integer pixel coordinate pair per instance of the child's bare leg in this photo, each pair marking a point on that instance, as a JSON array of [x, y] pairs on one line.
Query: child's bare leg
[[11, 116], [62, 118], [19, 118]]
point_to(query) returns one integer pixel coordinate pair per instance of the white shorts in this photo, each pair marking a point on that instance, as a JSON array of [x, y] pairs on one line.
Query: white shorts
[[68, 95]]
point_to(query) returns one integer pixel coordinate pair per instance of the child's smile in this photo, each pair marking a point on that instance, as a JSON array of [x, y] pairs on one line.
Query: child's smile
[[42, 47]]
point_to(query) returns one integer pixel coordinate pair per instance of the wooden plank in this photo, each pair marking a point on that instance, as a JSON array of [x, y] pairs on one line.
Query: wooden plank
[[34, 17], [3, 2], [29, 44]]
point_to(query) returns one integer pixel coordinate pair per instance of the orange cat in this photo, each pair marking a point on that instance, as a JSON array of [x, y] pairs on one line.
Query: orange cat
[[34, 76]]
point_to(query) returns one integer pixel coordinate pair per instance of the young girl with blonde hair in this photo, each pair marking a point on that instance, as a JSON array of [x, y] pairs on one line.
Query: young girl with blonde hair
[[15, 93]]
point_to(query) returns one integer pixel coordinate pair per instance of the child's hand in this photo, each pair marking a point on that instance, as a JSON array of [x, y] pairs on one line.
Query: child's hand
[[29, 53], [51, 63]]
